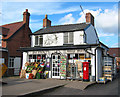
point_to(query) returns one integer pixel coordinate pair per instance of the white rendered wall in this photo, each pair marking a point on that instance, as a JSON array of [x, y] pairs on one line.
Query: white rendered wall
[[91, 37], [55, 39], [78, 37], [98, 63], [93, 63], [24, 60], [32, 40]]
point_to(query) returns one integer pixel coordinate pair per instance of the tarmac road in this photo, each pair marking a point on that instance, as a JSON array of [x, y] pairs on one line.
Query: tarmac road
[[110, 88]]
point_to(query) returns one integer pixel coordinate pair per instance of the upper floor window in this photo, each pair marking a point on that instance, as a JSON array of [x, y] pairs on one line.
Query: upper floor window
[[39, 40], [68, 38]]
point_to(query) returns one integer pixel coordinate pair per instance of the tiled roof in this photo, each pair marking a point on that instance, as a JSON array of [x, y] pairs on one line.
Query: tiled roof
[[62, 28], [13, 27], [115, 52]]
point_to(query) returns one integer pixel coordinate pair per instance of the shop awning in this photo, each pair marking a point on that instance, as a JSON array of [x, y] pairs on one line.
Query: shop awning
[[64, 47]]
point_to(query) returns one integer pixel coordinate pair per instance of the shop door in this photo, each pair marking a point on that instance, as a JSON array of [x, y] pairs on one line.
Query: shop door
[[56, 66]]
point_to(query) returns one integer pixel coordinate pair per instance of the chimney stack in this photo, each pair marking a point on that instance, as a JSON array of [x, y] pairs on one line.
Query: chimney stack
[[89, 18], [46, 22], [26, 16]]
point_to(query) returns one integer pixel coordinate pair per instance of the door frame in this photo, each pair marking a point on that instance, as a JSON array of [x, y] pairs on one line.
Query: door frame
[[52, 65]]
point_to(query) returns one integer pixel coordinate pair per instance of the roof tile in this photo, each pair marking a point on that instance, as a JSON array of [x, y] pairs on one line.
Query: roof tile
[[13, 27]]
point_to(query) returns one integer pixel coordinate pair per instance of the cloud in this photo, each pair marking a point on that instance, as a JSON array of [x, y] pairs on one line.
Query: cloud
[[36, 26], [12, 11], [67, 19], [104, 34], [116, 45], [106, 21]]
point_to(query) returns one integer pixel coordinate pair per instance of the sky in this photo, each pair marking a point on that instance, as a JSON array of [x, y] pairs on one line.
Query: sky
[[60, 13]]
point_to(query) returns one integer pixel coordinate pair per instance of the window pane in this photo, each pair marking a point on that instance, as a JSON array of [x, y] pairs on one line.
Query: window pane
[[71, 37], [65, 37], [41, 40], [36, 40], [34, 56], [11, 64]]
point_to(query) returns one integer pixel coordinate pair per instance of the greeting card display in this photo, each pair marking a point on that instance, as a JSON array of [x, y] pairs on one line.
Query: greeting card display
[[63, 62]]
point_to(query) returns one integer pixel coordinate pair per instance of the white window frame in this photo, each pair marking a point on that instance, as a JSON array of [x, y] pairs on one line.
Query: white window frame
[[39, 36], [11, 62], [68, 36]]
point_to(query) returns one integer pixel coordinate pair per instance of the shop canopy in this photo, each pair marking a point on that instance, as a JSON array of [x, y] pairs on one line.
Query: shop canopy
[[64, 47]]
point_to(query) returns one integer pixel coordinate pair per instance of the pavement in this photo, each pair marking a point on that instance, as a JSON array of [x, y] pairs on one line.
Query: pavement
[[79, 84], [17, 86], [110, 89]]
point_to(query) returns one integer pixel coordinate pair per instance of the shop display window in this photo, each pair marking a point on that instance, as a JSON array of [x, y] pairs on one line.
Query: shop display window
[[81, 56], [36, 58], [76, 56], [72, 56]]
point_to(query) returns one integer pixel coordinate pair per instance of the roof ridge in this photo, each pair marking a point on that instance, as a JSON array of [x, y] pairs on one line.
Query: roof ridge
[[68, 24], [11, 23], [59, 26]]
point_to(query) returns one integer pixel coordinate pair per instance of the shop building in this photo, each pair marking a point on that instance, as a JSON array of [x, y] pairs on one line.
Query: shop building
[[12, 37], [66, 48]]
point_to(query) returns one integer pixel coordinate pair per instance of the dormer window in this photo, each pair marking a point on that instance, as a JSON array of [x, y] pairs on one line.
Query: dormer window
[[68, 38], [39, 40]]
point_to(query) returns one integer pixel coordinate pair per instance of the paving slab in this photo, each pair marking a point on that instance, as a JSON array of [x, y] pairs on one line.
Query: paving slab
[[79, 84], [24, 87], [17, 86]]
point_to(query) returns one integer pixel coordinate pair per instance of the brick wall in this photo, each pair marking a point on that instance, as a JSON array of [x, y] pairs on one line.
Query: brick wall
[[19, 39]]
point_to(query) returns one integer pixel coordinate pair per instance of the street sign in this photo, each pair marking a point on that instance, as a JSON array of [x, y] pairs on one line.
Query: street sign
[[3, 69]]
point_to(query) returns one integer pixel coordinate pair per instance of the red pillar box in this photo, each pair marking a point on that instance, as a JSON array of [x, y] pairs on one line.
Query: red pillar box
[[85, 71]]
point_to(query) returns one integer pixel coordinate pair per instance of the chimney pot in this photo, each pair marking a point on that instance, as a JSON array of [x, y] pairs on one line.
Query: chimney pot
[[89, 18], [26, 16], [46, 22], [26, 10], [46, 16]]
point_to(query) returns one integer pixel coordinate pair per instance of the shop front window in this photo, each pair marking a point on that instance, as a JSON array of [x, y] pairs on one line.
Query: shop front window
[[39, 40], [36, 58]]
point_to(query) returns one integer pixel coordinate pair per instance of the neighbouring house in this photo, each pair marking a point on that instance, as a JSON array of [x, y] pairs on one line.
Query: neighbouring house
[[65, 47], [115, 52], [13, 36]]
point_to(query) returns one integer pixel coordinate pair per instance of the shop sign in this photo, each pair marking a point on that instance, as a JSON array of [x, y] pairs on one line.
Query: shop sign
[[76, 51], [36, 52]]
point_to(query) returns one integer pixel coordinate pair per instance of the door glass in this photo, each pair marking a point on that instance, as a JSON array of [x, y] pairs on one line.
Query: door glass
[[55, 65]]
